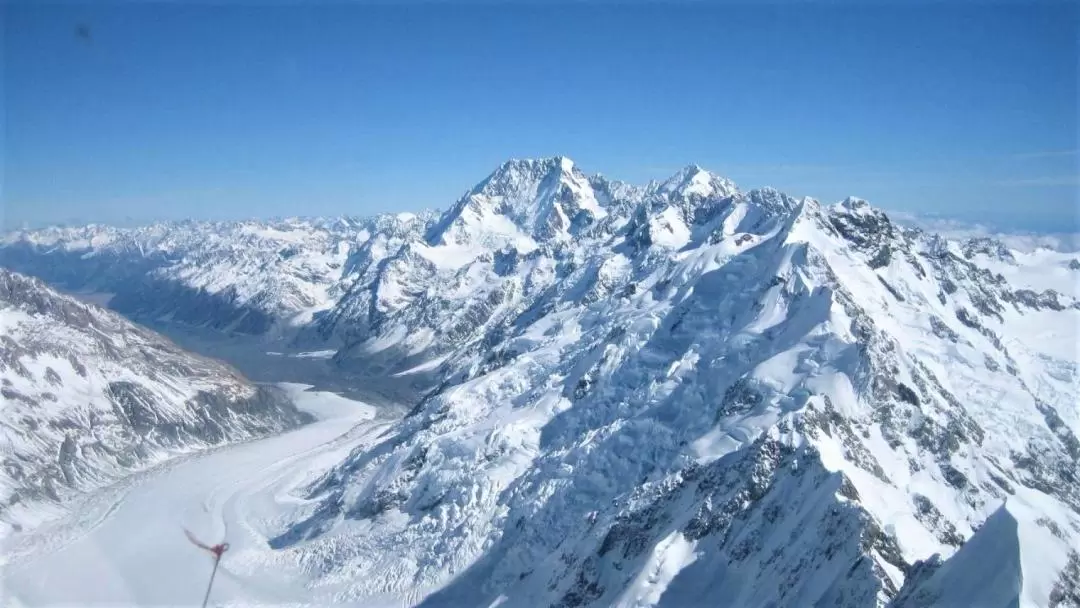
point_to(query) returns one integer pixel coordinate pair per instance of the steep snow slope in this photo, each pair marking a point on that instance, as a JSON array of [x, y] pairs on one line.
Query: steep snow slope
[[1019, 557], [86, 398], [704, 396], [683, 393], [497, 251]]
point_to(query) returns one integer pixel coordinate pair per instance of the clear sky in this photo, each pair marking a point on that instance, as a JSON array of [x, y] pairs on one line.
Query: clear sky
[[171, 110]]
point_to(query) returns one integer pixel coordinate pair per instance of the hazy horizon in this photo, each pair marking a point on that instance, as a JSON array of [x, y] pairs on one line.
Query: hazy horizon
[[114, 114]]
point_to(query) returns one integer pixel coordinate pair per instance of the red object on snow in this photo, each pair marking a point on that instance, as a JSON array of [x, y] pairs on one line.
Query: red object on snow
[[216, 550]]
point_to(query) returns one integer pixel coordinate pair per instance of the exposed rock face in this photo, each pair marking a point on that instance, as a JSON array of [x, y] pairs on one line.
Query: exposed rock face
[[707, 393], [89, 397], [684, 394]]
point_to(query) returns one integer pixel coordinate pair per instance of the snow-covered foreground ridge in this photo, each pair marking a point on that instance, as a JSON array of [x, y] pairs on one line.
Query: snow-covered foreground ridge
[[86, 398], [675, 394]]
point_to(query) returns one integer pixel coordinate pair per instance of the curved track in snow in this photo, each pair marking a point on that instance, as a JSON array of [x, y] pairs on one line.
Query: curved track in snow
[[124, 545]]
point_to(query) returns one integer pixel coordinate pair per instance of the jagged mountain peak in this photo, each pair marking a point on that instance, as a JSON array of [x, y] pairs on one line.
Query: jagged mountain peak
[[730, 389], [544, 162], [1029, 556], [988, 246], [529, 201], [693, 180], [522, 202], [517, 173], [853, 202]]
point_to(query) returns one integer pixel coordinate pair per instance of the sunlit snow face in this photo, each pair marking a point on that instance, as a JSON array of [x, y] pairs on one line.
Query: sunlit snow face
[[640, 394]]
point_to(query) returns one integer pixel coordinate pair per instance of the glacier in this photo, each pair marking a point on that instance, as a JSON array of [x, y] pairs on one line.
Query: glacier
[[88, 398], [673, 394]]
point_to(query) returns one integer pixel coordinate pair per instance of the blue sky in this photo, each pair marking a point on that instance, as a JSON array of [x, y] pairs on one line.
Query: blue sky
[[210, 111]]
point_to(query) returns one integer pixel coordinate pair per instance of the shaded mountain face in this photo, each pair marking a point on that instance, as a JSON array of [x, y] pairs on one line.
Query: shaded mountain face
[[86, 398], [255, 278], [682, 393]]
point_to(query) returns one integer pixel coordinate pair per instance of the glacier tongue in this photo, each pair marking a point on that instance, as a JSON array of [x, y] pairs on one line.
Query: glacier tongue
[[684, 393], [87, 398]]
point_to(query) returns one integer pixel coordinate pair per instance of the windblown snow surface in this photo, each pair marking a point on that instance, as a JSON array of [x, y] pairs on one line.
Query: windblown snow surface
[[678, 394]]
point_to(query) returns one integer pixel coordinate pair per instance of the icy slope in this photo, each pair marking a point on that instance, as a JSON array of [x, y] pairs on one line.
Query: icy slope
[[86, 398], [684, 393], [705, 394], [504, 248], [1019, 557]]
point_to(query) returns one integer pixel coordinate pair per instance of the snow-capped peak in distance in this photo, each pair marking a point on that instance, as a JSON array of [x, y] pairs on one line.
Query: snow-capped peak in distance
[[669, 395], [693, 180], [521, 203], [853, 203], [525, 203]]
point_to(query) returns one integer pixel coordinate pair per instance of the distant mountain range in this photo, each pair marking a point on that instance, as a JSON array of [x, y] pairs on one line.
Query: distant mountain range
[[663, 395]]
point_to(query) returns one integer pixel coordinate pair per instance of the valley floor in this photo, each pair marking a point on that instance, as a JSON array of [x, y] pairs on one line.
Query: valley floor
[[273, 361], [125, 545]]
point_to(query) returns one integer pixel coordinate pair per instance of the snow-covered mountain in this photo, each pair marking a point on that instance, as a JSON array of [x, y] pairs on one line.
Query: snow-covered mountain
[[692, 395], [237, 277], [686, 394], [86, 398]]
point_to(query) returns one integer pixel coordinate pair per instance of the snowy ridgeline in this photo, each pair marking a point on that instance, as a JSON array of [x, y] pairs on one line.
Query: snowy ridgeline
[[675, 394]]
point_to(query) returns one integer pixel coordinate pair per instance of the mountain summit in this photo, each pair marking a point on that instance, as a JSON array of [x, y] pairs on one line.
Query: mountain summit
[[692, 180], [522, 202], [667, 395]]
